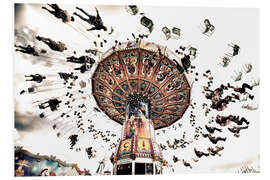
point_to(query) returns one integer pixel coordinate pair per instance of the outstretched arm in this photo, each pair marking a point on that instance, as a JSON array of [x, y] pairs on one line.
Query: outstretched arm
[[91, 29], [43, 7]]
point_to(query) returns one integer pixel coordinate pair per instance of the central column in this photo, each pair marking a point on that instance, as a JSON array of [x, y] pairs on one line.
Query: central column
[[137, 124], [138, 151]]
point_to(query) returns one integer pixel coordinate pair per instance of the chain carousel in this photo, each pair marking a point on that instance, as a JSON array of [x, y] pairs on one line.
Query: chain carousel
[[138, 85]]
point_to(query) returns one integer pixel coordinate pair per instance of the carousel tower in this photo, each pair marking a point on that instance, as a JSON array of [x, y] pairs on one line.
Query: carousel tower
[[138, 85]]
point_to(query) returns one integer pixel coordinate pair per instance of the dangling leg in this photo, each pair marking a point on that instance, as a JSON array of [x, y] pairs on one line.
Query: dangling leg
[[98, 17], [47, 41], [43, 106], [243, 120], [20, 47], [20, 50], [245, 85], [221, 139], [50, 11], [43, 39], [32, 76], [84, 12], [55, 7], [80, 17]]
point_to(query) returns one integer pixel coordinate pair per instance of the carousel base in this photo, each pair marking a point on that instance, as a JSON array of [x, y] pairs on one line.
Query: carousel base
[[137, 167]]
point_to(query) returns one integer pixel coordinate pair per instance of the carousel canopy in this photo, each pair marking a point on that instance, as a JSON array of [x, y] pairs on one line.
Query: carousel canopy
[[141, 71]]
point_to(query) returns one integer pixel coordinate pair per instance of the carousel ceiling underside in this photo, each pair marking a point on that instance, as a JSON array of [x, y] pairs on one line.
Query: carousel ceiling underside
[[141, 71]]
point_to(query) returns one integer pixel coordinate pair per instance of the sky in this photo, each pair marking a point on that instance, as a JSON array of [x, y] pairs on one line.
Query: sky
[[236, 25]]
